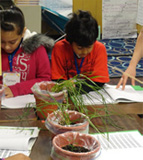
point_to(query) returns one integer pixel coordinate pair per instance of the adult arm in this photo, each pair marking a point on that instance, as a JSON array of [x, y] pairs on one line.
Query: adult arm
[[131, 70]]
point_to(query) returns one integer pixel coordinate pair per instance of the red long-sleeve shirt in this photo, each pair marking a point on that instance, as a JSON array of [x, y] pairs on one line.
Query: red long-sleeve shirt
[[33, 67]]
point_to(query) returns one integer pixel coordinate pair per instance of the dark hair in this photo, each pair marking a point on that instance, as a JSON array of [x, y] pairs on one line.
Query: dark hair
[[82, 29], [5, 4], [12, 19]]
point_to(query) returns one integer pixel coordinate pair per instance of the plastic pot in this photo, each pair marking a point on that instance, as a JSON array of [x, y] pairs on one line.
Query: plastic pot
[[46, 100], [77, 139], [53, 120], [43, 108]]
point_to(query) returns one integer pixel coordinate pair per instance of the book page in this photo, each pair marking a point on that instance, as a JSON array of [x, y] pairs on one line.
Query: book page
[[17, 138], [100, 97], [18, 102], [126, 95], [111, 95], [121, 145]]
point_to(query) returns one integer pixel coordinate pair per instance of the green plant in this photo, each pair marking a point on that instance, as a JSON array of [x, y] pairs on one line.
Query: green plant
[[74, 100]]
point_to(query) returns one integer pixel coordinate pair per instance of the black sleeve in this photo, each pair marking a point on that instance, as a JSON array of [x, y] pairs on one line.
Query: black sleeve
[[91, 86], [58, 80], [88, 86]]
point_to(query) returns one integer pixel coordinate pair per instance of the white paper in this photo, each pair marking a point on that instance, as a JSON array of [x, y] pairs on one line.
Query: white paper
[[121, 145], [129, 94], [93, 98], [17, 139], [10, 78], [140, 12], [129, 154], [119, 19], [18, 102], [111, 95]]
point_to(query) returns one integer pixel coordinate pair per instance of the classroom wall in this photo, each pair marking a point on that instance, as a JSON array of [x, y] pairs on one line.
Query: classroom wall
[[32, 16], [95, 7]]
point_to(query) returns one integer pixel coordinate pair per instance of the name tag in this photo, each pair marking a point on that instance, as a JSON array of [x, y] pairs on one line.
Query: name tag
[[10, 78]]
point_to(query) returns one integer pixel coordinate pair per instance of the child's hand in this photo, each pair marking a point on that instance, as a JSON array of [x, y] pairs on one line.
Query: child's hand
[[18, 157], [8, 92]]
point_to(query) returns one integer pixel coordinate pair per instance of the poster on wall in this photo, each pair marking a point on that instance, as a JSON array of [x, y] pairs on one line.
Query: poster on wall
[[119, 19], [140, 13]]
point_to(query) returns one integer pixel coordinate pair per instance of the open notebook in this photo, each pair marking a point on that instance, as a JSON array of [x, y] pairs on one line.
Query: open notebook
[[112, 95], [15, 140], [18, 102], [121, 145]]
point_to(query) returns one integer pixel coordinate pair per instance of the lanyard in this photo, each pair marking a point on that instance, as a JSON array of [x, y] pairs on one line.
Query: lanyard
[[11, 55], [10, 58], [76, 65]]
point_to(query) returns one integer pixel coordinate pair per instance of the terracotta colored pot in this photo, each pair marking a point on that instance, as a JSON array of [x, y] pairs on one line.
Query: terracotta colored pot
[[77, 139], [81, 123], [45, 102], [43, 109]]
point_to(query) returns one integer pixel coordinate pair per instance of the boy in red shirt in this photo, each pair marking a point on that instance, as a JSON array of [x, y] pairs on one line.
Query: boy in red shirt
[[79, 52]]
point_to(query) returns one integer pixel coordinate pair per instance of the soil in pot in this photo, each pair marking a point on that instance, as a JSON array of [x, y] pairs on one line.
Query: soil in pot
[[73, 148], [81, 140]]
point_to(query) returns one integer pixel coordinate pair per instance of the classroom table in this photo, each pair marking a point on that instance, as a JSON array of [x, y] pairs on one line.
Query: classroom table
[[120, 108], [43, 144], [42, 148], [22, 114]]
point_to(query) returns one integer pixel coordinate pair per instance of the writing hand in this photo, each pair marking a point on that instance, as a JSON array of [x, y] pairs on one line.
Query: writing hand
[[8, 92]]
